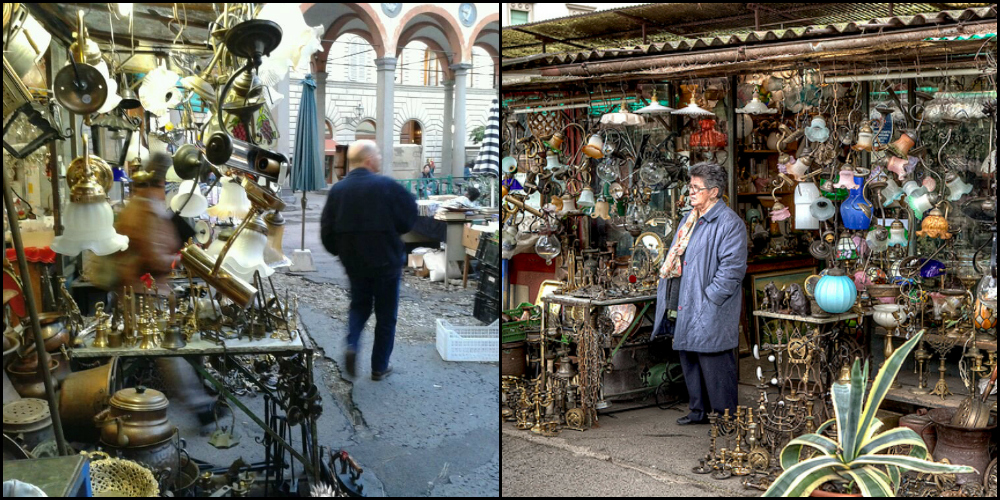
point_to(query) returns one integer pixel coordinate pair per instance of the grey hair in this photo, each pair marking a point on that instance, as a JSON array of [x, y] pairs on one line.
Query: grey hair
[[714, 175]]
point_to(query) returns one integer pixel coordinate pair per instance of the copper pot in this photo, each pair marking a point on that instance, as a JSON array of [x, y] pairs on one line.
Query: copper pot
[[28, 383], [962, 446], [135, 417], [922, 425], [54, 332], [84, 394], [158, 456]]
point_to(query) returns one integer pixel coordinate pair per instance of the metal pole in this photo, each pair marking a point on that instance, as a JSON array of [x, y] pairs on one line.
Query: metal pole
[[36, 327], [303, 246], [731, 147]]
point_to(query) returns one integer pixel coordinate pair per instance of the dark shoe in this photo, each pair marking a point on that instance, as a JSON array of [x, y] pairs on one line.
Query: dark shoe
[[350, 365], [377, 376], [687, 421]]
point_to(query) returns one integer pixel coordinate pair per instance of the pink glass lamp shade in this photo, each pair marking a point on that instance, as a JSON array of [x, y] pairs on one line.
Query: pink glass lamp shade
[[846, 180], [780, 212], [233, 202], [901, 166]]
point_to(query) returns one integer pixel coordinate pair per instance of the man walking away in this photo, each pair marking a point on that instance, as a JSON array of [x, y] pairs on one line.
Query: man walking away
[[365, 215]]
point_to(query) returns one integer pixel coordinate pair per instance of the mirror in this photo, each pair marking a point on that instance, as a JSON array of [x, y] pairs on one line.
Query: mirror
[[654, 244]]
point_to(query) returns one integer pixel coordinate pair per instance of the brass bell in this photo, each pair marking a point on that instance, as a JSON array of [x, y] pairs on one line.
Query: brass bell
[[566, 370]]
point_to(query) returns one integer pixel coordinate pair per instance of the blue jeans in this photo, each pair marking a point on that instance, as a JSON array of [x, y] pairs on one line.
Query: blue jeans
[[383, 293]]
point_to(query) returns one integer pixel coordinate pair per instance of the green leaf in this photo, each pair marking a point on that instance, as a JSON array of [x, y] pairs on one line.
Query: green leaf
[[790, 455], [913, 464], [847, 400], [804, 477], [896, 437], [883, 382], [826, 425], [870, 483]]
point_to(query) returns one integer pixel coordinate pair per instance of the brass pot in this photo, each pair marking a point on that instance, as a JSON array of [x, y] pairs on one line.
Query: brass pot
[[84, 394], [135, 417], [28, 384], [962, 446], [54, 332]]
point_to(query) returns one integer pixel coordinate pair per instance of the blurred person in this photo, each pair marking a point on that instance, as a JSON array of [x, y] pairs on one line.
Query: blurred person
[[364, 216]]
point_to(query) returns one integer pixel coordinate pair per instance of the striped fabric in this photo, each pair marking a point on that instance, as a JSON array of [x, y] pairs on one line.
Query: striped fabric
[[488, 161]]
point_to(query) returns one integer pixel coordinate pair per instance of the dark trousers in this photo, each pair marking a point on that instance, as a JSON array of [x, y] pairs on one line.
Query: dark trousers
[[383, 293], [711, 382]]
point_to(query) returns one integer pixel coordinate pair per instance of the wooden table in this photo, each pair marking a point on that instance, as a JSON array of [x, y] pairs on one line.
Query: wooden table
[[197, 347], [57, 477]]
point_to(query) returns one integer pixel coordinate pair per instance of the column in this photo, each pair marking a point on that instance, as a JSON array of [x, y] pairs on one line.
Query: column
[[385, 110], [321, 117], [461, 71], [449, 122]]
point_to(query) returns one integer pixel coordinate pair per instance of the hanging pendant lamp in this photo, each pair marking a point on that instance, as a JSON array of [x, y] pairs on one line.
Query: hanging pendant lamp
[[654, 107], [693, 110]]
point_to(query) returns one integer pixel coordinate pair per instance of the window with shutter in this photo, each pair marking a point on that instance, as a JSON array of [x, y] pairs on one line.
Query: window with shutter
[[518, 17]]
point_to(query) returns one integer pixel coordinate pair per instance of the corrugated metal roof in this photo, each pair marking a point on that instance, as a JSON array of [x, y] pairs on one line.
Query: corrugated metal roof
[[673, 27], [872, 25]]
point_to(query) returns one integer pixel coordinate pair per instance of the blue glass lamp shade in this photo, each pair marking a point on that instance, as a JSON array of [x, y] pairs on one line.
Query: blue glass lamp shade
[[513, 185], [835, 293], [851, 210], [931, 269], [822, 209]]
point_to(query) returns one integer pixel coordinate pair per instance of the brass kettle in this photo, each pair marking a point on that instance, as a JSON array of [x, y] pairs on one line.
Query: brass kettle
[[135, 417]]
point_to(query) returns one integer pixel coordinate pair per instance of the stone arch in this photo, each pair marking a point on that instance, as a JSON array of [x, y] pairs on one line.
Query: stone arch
[[365, 12], [447, 24], [446, 72], [491, 18]]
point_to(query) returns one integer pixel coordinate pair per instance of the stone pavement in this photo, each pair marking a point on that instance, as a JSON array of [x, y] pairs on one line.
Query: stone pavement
[[430, 429]]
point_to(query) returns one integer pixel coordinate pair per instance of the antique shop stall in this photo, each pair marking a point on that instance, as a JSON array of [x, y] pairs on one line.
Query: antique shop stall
[[864, 166], [89, 96]]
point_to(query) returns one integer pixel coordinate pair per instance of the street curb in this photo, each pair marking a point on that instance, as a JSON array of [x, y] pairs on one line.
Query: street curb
[[655, 474]]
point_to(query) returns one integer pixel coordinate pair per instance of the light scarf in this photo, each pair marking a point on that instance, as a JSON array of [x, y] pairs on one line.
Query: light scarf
[[672, 267]]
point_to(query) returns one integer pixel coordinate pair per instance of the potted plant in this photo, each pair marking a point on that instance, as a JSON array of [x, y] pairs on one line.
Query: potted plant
[[858, 456]]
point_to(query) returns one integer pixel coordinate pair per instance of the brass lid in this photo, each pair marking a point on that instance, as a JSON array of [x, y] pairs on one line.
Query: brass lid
[[26, 415], [139, 399]]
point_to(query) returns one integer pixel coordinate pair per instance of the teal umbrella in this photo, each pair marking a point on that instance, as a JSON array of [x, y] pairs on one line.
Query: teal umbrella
[[307, 171]]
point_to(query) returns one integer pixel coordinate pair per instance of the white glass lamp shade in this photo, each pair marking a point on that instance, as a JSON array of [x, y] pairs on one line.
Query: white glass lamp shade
[[817, 130], [957, 188], [298, 39], [233, 201], [989, 166], [910, 187], [654, 108], [756, 107], [586, 198], [799, 169], [552, 162], [891, 192], [113, 98], [822, 209], [136, 151], [509, 164], [197, 204], [878, 240], [247, 255], [897, 235], [693, 110], [622, 117], [865, 138], [89, 226], [805, 194], [158, 92], [594, 147]]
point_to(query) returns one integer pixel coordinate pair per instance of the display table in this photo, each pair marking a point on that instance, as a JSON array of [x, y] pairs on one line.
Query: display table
[[281, 411], [57, 477]]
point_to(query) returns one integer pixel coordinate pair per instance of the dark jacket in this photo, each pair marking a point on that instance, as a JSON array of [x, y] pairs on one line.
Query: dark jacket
[[364, 216], [710, 299]]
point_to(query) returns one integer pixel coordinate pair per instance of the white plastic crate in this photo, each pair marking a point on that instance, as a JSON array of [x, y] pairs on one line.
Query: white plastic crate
[[468, 343]]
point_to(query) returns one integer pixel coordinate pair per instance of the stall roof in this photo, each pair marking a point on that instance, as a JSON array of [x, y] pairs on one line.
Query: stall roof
[[152, 24], [658, 28]]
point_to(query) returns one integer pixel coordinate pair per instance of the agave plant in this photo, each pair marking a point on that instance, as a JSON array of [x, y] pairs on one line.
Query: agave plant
[[858, 456]]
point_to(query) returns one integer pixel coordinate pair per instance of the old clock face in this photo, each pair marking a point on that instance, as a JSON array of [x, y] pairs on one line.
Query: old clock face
[[392, 9], [467, 14]]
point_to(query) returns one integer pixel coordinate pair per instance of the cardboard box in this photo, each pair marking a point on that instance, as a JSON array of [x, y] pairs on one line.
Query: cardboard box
[[470, 238], [415, 261]]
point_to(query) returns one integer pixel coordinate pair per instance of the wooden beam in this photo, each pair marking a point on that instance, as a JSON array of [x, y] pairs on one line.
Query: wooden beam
[[547, 39]]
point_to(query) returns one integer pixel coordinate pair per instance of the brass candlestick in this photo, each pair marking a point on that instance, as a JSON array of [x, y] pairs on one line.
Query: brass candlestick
[[941, 388], [889, 349], [922, 356]]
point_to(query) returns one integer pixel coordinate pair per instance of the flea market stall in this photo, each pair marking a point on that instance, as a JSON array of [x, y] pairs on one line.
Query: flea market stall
[[93, 95], [861, 153]]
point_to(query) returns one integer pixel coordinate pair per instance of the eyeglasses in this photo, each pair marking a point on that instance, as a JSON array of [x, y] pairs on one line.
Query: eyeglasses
[[695, 189]]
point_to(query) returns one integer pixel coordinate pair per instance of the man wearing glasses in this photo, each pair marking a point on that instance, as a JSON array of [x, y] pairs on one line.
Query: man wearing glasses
[[700, 283]]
